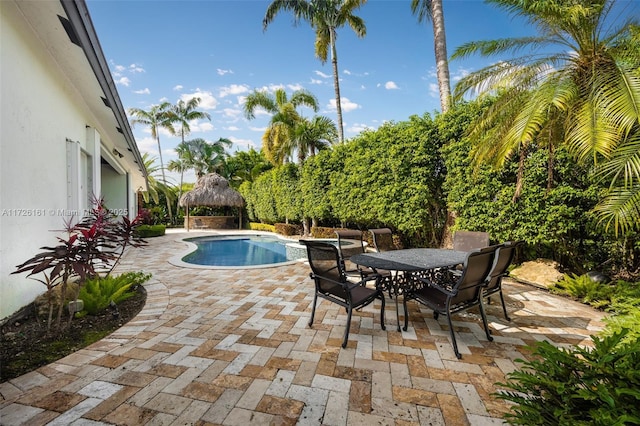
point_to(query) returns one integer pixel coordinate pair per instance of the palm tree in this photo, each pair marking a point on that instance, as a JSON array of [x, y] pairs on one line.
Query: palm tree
[[246, 166], [184, 112], [431, 10], [580, 87], [312, 135], [325, 17], [181, 164], [156, 117], [206, 157], [278, 140], [156, 185]]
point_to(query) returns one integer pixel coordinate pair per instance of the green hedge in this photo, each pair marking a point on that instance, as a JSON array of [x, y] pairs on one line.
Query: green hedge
[[261, 227], [287, 229], [147, 231]]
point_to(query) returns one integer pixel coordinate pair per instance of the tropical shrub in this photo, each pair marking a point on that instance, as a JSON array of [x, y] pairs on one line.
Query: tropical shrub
[[98, 241], [551, 213], [262, 227], [584, 289], [392, 177], [323, 232], [288, 229], [146, 231], [577, 386], [98, 293]]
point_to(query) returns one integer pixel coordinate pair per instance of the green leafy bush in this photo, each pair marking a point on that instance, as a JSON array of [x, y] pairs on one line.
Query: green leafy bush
[[288, 229], [262, 227], [147, 231], [577, 386], [323, 232], [584, 289], [98, 293]]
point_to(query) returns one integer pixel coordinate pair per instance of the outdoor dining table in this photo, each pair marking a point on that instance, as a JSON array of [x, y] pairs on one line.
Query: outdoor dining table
[[409, 261]]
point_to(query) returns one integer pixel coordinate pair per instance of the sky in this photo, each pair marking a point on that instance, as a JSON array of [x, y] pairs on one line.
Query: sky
[[167, 50]]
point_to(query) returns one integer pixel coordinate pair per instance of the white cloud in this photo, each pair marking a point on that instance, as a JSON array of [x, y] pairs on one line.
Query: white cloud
[[234, 89], [347, 72], [295, 86], [460, 73], [231, 128], [321, 74], [123, 81], [434, 91], [358, 127], [144, 91], [390, 85], [242, 144], [231, 113], [178, 87], [345, 103], [147, 144], [223, 72], [197, 126], [135, 68], [207, 100], [118, 68], [314, 81], [257, 129]]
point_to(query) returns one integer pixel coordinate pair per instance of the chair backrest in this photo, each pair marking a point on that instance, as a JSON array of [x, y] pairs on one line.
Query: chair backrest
[[349, 234], [382, 239], [476, 267], [469, 240], [501, 261], [326, 267]]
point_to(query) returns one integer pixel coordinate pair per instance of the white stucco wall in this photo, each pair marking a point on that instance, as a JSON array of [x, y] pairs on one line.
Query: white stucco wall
[[40, 110]]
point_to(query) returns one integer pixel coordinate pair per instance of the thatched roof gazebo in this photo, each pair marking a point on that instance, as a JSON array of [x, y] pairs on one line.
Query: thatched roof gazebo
[[212, 190]]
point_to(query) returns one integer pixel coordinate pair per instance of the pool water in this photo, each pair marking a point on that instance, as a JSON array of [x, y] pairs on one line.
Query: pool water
[[237, 251]]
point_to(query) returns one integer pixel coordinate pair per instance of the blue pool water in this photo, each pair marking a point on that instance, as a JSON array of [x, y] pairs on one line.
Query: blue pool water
[[237, 251]]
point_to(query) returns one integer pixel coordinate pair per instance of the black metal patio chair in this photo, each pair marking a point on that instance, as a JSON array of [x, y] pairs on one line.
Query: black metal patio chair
[[501, 262], [331, 283], [346, 249], [470, 240], [382, 239], [456, 292]]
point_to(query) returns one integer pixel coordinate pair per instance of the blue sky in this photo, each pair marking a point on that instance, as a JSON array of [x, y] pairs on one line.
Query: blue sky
[[218, 51]]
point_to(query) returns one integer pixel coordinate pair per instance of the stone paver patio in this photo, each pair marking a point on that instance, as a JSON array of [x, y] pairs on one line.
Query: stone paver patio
[[232, 347]]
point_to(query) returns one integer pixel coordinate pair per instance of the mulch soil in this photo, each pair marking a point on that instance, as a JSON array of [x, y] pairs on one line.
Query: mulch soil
[[25, 344]]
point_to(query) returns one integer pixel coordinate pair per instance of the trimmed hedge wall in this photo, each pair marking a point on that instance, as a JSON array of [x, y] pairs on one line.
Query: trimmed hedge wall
[[149, 231]]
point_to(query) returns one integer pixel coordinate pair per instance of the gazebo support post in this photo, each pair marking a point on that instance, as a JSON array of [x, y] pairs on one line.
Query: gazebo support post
[[187, 208]]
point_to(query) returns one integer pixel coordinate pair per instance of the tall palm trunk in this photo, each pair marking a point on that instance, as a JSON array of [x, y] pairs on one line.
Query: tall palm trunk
[[440, 46], [336, 83], [164, 179], [180, 191]]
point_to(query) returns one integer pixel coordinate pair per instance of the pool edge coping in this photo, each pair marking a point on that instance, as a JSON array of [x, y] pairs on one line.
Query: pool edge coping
[[191, 247]]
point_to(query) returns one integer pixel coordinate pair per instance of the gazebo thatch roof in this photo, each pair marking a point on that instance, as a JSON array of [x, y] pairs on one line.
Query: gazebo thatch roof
[[212, 190]]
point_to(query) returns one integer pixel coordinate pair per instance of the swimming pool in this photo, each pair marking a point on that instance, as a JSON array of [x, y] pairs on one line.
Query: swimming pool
[[251, 250], [245, 251]]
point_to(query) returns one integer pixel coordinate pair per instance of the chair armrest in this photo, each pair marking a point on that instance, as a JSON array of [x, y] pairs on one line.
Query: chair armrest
[[363, 281], [443, 287]]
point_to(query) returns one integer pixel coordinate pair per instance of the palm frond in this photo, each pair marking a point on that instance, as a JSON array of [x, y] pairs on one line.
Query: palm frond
[[620, 209]]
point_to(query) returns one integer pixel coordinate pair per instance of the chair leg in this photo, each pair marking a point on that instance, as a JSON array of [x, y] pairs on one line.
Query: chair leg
[[346, 331], [384, 327], [406, 314], [484, 322], [453, 337], [504, 307], [313, 309]]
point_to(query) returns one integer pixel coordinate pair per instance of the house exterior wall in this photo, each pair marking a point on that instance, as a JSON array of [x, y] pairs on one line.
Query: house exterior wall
[[50, 156]]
